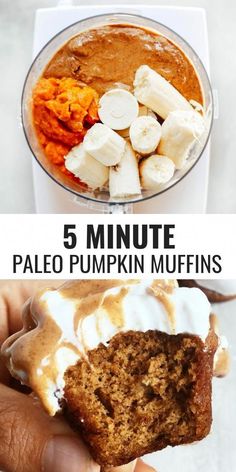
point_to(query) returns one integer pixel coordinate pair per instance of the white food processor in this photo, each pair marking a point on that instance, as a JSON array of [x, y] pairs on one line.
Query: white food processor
[[186, 192]]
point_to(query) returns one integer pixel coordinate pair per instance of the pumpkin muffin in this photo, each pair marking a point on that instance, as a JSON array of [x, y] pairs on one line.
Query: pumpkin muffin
[[128, 362]]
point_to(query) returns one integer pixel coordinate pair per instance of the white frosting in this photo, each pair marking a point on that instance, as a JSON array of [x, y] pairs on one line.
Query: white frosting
[[223, 346], [142, 311], [141, 306], [224, 287]]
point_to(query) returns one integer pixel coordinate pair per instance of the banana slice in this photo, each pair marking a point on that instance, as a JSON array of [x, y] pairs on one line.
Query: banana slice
[[152, 90], [124, 178], [143, 111], [84, 166], [145, 134], [155, 171], [104, 144], [118, 108], [180, 131]]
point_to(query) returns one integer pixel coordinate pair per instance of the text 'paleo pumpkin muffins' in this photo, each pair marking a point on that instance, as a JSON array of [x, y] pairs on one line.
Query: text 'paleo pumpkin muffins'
[[130, 363]]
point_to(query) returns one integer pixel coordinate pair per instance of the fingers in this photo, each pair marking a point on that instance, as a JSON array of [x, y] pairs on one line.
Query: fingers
[[135, 466], [4, 330], [13, 294], [3, 318], [124, 468], [142, 467], [31, 440]]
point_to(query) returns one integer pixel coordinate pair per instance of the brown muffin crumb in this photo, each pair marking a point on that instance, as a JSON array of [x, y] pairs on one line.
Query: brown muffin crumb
[[143, 392]]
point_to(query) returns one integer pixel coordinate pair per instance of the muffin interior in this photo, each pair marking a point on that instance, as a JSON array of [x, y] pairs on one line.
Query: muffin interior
[[142, 392]]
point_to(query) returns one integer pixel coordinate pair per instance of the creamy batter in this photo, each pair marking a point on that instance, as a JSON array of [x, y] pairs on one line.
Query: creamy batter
[[107, 56]]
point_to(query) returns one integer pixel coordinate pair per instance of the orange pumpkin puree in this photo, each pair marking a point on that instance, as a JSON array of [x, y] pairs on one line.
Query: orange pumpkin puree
[[62, 112]]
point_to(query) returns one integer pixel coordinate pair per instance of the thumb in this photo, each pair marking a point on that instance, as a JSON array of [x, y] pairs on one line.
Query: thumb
[[142, 467], [135, 466], [32, 441], [123, 468]]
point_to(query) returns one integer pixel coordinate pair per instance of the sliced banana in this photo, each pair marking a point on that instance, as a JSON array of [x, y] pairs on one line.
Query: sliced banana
[[143, 111], [124, 178], [152, 90], [118, 108], [145, 134], [104, 144], [155, 171], [124, 133], [180, 131], [84, 166]]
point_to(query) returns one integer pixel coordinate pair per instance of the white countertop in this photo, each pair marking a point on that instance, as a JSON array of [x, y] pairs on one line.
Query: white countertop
[[16, 35]]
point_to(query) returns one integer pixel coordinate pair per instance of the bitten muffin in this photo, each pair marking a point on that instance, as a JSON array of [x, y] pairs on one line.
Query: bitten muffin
[[141, 393], [128, 362]]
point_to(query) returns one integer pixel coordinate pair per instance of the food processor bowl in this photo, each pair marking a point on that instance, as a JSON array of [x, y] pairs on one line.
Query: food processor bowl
[[102, 196]]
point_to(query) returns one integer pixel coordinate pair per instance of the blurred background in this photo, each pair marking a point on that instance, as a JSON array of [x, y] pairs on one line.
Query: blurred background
[[215, 453], [16, 36]]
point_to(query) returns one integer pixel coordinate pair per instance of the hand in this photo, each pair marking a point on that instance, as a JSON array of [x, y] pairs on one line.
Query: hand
[[30, 440]]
